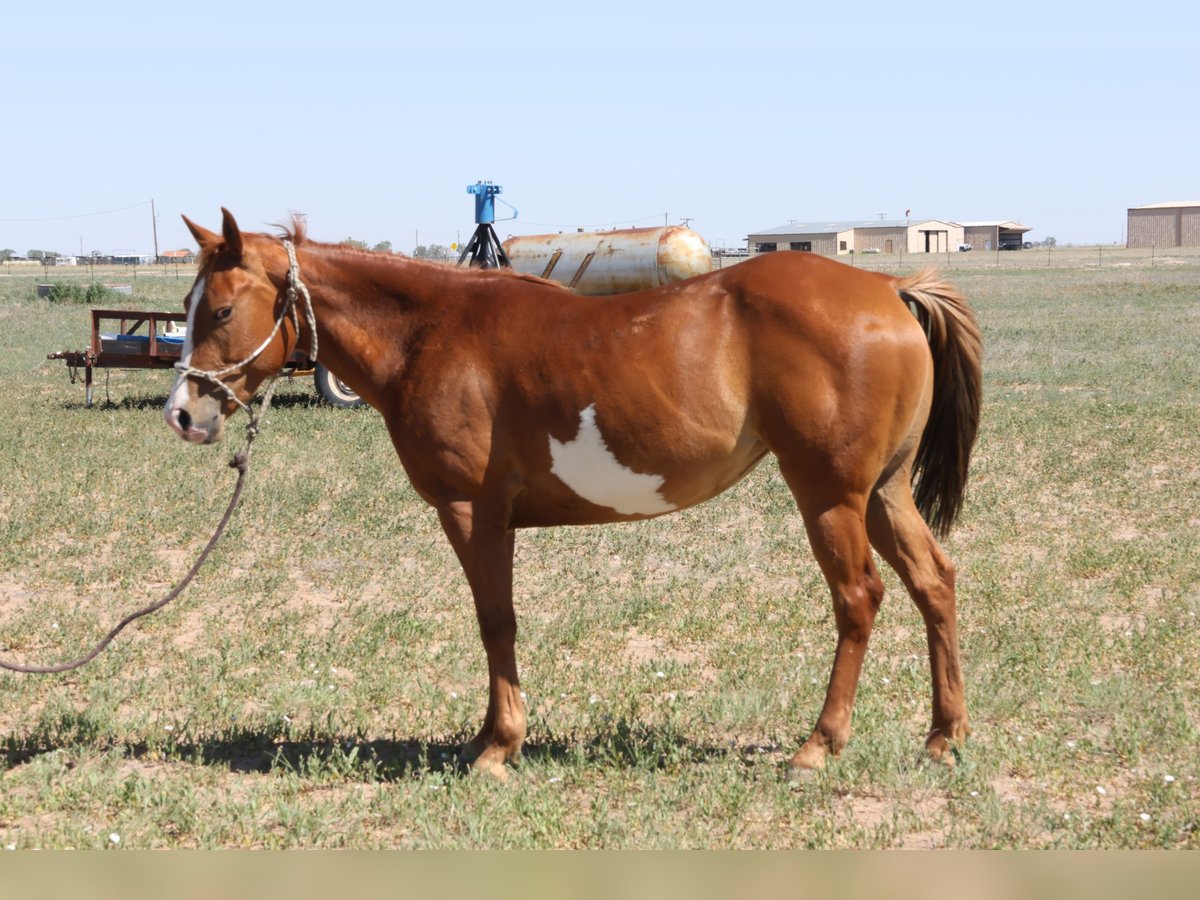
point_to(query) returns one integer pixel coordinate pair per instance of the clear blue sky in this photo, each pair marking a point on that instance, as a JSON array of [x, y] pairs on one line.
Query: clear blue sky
[[372, 119]]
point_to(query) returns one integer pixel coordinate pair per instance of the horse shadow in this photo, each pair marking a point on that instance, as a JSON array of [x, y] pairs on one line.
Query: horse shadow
[[293, 399], [624, 745]]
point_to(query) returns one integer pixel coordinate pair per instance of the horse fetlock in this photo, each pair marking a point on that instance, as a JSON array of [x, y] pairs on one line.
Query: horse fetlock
[[473, 749], [494, 740], [509, 728]]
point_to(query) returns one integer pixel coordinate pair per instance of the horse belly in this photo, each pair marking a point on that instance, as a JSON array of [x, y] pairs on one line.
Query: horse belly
[[587, 484]]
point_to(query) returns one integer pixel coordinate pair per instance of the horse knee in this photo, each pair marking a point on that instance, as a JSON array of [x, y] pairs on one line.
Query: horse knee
[[855, 607]]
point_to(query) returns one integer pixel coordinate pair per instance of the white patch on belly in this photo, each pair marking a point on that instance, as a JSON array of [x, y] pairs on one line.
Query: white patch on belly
[[587, 467]]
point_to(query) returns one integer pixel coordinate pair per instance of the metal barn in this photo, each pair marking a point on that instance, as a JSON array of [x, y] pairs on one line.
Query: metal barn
[[871, 236], [1006, 235], [1173, 224]]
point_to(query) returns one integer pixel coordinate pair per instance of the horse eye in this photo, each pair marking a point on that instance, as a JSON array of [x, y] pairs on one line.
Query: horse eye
[[223, 313]]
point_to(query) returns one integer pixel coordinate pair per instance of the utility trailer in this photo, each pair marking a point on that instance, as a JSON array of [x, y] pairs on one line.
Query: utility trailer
[[130, 339]]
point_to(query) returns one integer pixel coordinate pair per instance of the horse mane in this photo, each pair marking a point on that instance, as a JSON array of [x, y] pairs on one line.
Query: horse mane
[[296, 231]]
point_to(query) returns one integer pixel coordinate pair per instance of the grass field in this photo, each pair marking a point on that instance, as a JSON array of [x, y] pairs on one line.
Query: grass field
[[311, 688]]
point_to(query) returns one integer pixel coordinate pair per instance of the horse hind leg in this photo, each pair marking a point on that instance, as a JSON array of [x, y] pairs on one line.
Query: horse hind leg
[[903, 539], [838, 536]]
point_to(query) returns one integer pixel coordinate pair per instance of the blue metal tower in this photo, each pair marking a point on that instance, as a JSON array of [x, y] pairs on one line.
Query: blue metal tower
[[484, 247]]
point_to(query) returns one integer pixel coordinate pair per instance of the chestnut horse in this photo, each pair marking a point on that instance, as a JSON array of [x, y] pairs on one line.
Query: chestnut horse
[[513, 402]]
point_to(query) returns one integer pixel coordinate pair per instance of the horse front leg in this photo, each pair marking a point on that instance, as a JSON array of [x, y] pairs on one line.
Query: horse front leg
[[484, 543]]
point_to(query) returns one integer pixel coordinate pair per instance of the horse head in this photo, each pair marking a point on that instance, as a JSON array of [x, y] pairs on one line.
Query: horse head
[[237, 336]]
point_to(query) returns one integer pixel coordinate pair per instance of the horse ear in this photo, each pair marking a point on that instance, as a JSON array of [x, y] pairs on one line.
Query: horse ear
[[203, 236], [229, 231]]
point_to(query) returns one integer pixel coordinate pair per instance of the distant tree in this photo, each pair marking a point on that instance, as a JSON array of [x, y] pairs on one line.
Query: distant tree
[[7, 253], [383, 247], [433, 251], [35, 254], [351, 242], [1050, 242]]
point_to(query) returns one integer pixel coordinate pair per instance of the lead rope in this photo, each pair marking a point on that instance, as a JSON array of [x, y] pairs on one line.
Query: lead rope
[[240, 461]]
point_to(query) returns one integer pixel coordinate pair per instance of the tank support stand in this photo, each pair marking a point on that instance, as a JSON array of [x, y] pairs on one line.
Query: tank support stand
[[484, 249]]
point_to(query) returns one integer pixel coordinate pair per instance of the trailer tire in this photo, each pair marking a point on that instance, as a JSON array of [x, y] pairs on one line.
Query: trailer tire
[[334, 391]]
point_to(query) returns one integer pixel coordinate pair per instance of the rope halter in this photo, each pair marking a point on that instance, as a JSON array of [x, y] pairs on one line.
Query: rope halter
[[295, 289]]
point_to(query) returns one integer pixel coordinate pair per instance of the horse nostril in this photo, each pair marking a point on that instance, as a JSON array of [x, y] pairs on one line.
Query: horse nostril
[[184, 418]]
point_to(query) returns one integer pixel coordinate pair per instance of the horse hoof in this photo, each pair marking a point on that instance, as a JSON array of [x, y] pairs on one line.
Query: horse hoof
[[493, 770], [798, 776], [947, 750], [805, 763], [810, 756]]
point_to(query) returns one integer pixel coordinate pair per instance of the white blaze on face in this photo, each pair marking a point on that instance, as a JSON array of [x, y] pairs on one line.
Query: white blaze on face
[[179, 394], [587, 467]]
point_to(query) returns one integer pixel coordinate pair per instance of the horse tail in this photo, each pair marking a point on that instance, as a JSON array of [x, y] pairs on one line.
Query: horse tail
[[944, 453]]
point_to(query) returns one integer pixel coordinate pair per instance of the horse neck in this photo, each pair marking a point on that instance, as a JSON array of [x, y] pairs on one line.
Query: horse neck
[[367, 307]]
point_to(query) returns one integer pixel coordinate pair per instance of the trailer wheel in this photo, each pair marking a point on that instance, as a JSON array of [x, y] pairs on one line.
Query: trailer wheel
[[334, 391]]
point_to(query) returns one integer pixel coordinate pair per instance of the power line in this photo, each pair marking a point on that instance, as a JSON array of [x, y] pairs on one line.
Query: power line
[[102, 212]]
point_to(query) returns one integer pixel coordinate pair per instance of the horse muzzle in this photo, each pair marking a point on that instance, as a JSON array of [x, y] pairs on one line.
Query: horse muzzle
[[200, 421]]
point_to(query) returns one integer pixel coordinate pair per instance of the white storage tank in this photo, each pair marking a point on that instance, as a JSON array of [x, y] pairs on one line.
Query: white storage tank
[[612, 262]]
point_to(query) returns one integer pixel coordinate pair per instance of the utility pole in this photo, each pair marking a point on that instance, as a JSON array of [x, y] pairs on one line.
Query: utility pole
[[154, 226]]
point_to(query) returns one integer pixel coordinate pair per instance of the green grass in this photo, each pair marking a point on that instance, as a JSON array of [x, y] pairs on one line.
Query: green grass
[[311, 687]]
